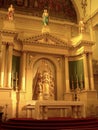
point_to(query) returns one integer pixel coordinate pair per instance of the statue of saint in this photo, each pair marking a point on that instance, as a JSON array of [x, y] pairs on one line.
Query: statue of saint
[[40, 87], [45, 17], [46, 84], [11, 12], [44, 88]]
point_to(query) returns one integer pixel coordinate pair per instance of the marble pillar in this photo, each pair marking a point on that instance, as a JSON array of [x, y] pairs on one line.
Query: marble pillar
[[86, 79], [3, 53], [67, 75], [9, 64], [23, 66], [91, 71]]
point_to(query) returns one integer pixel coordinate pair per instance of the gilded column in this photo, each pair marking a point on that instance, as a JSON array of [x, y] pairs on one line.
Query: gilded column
[[23, 66], [3, 51], [9, 64], [86, 80], [67, 75], [91, 71]]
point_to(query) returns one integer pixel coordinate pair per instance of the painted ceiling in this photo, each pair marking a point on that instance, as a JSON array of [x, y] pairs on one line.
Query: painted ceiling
[[57, 9]]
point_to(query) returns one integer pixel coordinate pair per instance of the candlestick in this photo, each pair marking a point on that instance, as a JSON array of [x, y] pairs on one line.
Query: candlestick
[[16, 79]]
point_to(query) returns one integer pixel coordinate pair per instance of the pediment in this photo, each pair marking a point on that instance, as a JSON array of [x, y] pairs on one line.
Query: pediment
[[46, 39]]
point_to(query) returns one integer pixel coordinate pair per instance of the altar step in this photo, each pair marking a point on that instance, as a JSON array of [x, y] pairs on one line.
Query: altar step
[[50, 124]]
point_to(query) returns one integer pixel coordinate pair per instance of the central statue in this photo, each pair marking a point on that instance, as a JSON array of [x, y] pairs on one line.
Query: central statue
[[45, 20], [44, 87], [11, 13], [45, 17]]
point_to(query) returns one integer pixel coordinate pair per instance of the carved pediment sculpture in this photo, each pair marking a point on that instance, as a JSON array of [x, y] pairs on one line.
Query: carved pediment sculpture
[[46, 39]]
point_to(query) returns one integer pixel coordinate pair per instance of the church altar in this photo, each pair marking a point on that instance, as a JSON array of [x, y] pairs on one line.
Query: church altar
[[46, 66], [42, 108]]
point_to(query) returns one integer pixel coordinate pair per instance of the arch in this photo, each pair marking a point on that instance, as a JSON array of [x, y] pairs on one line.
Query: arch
[[46, 57], [76, 9]]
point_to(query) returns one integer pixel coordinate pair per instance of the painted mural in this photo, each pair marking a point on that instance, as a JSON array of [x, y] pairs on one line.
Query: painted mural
[[61, 9]]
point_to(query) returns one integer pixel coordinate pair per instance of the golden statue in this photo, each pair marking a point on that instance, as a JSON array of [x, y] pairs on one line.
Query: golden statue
[[11, 12]]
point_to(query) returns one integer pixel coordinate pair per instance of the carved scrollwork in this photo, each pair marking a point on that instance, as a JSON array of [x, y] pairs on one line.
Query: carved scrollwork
[[30, 59]]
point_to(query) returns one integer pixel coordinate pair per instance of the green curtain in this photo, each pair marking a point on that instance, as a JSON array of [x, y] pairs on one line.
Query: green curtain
[[76, 73], [15, 70]]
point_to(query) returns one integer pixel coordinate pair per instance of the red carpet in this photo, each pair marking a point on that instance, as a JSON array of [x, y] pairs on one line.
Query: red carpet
[[50, 124]]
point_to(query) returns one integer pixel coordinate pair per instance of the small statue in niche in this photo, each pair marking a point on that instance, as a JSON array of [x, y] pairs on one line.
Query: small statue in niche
[[46, 84], [11, 13], [39, 87], [51, 85]]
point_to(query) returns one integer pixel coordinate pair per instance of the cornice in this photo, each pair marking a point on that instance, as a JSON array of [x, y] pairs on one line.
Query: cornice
[[83, 43], [48, 40], [5, 31], [93, 19], [8, 36], [7, 43]]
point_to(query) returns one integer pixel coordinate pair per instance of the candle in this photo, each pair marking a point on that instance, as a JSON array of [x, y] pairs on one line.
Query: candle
[[16, 78]]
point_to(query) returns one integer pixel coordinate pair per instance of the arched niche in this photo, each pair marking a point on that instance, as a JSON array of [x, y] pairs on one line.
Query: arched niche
[[41, 67]]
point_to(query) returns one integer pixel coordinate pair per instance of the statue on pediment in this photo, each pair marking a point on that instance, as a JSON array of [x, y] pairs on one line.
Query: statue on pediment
[[45, 20], [11, 13], [45, 17]]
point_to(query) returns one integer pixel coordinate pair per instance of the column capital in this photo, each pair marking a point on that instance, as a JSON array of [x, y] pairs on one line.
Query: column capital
[[7, 37], [7, 43], [66, 56], [24, 52]]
